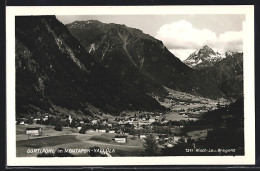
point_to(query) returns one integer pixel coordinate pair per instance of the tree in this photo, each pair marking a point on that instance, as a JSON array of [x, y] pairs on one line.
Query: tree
[[58, 127], [30, 120], [151, 147], [83, 130]]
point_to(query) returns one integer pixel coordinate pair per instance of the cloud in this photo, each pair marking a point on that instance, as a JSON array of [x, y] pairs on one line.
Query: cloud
[[230, 40], [182, 35], [181, 38]]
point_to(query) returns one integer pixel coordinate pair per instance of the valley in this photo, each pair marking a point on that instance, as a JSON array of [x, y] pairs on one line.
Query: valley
[[93, 86]]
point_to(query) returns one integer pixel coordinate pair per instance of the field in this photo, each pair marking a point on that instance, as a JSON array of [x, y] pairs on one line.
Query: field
[[47, 131], [197, 134], [75, 141]]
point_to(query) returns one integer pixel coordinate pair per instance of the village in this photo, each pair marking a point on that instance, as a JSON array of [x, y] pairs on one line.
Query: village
[[125, 130], [168, 128]]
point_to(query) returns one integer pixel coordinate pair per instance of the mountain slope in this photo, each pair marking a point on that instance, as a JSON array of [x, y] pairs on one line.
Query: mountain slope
[[228, 74], [135, 56], [53, 69]]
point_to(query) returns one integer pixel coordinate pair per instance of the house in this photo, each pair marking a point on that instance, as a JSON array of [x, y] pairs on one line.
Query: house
[[144, 123], [176, 138], [151, 120], [94, 121], [120, 139], [34, 131], [45, 118], [142, 136], [102, 130], [165, 121], [35, 120], [170, 145], [91, 130], [112, 131]]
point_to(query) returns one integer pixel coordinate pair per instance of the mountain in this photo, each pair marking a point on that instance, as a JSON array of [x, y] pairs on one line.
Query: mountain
[[53, 71], [228, 74], [138, 57], [204, 57]]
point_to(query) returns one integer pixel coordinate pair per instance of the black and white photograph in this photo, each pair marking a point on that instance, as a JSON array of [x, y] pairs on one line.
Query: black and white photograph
[[118, 83]]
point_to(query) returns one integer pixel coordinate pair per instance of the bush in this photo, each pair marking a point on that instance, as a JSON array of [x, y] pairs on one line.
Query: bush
[[83, 130], [150, 146], [58, 127]]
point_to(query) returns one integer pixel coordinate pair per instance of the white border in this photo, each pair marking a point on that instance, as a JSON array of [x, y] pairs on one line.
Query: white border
[[249, 89]]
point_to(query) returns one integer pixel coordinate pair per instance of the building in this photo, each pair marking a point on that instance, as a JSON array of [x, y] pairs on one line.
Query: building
[[70, 119], [176, 138], [170, 145], [102, 130], [36, 120], [142, 136], [151, 120], [112, 131], [120, 139], [144, 123], [94, 122], [34, 131]]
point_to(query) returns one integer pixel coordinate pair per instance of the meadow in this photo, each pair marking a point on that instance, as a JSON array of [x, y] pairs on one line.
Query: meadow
[[72, 140]]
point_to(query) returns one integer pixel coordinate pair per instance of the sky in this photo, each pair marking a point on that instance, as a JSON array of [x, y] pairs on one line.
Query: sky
[[182, 34]]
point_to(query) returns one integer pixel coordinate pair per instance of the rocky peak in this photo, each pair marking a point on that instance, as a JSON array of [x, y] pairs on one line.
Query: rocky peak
[[204, 56]]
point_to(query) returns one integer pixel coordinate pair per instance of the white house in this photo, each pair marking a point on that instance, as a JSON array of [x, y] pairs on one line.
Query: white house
[[176, 138], [170, 145], [112, 131], [142, 136], [151, 120], [34, 131], [94, 121], [91, 130], [120, 139]]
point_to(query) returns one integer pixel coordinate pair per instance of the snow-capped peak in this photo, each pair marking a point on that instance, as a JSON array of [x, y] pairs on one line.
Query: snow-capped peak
[[204, 56]]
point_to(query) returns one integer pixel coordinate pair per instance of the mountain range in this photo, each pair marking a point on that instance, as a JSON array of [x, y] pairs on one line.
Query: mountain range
[[131, 54], [206, 57], [226, 69], [111, 67], [54, 70]]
